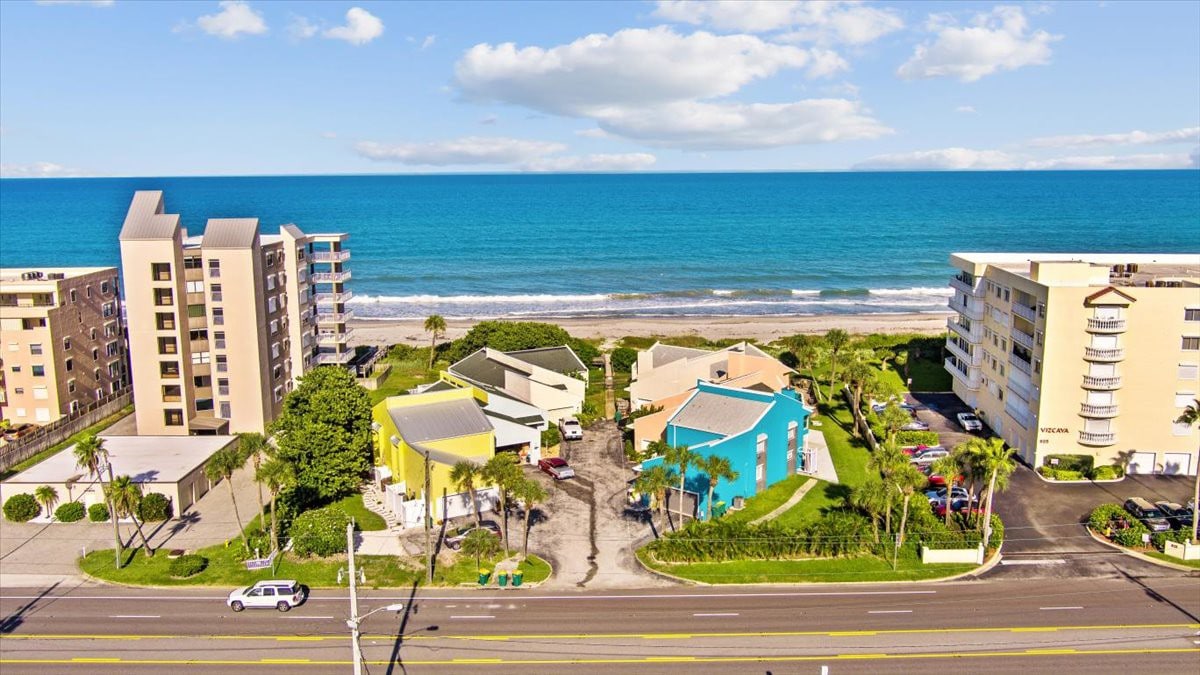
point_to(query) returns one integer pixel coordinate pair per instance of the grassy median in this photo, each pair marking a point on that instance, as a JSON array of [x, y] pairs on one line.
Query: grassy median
[[805, 570]]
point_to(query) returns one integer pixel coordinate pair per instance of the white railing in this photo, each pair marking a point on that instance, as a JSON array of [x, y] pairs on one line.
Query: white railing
[[334, 317], [1022, 338], [344, 296], [963, 355], [330, 358], [331, 338], [330, 277], [971, 335], [1106, 325], [1020, 416], [1098, 411], [1020, 390], [1101, 383], [1098, 354], [971, 381], [330, 256], [1024, 311], [973, 313], [1095, 438], [961, 284], [1020, 364]]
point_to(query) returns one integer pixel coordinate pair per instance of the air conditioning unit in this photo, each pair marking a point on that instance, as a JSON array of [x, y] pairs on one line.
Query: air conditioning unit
[[56, 275]]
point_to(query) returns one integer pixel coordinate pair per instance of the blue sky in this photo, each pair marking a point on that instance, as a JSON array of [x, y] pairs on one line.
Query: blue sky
[[231, 88]]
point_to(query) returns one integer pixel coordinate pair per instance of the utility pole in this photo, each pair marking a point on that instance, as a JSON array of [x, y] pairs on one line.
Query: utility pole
[[113, 513], [428, 523], [356, 649]]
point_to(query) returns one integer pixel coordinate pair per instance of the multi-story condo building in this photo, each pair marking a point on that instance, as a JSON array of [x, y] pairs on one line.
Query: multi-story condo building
[[223, 323], [1081, 353], [61, 343]]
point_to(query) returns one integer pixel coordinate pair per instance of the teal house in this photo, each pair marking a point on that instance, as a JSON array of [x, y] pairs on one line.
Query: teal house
[[762, 435]]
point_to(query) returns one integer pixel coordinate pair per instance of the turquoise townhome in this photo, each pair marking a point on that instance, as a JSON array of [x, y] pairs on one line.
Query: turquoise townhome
[[762, 435]]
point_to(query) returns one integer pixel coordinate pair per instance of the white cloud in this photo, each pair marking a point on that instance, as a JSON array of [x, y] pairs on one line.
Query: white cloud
[[848, 22], [634, 161], [361, 27], [467, 150], [40, 170], [1087, 162], [946, 159], [89, 3], [236, 18], [428, 42], [1186, 135], [329, 134], [594, 132], [995, 42], [965, 109], [300, 28]]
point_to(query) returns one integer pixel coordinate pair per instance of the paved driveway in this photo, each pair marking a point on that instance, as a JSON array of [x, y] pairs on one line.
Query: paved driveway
[[938, 411]]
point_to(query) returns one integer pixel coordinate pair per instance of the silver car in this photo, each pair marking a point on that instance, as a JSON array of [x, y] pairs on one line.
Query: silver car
[[274, 594]]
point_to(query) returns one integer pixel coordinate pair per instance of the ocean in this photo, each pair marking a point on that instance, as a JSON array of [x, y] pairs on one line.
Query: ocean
[[533, 245]]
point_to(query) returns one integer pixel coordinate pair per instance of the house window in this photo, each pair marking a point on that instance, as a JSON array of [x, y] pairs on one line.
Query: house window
[[275, 329], [87, 290], [167, 345], [92, 334], [168, 369], [71, 386], [104, 288], [278, 394], [1189, 371], [74, 295], [69, 364], [160, 271], [172, 393], [1191, 314], [112, 348], [277, 372], [35, 349], [173, 417], [16, 369], [1191, 344], [164, 321], [163, 297], [66, 344], [195, 287], [274, 350], [195, 311], [214, 268], [38, 371], [109, 309]]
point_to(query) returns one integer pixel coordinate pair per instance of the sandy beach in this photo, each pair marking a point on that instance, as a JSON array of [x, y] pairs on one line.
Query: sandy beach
[[761, 328]]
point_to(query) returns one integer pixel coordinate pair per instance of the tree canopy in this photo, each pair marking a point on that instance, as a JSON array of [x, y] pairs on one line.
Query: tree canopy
[[324, 432], [509, 336]]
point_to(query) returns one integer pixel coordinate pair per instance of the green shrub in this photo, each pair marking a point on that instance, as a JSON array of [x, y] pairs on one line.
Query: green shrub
[[1131, 537], [623, 359], [904, 438], [1080, 463], [98, 512], [21, 508], [1107, 472], [551, 437], [997, 536], [1160, 539], [1060, 474], [69, 512], [154, 507], [1108, 516], [187, 566], [319, 532]]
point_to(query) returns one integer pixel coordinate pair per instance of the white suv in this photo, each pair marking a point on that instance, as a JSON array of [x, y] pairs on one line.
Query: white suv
[[275, 594]]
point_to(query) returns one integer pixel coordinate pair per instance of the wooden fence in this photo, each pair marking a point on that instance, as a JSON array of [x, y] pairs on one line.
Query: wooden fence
[[61, 429]]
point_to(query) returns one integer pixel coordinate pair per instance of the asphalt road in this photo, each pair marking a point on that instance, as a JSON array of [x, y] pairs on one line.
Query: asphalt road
[[1144, 624]]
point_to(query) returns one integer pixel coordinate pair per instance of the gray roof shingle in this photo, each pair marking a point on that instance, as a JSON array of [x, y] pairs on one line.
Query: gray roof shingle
[[479, 368], [726, 415], [436, 421], [662, 354], [561, 359], [230, 233]]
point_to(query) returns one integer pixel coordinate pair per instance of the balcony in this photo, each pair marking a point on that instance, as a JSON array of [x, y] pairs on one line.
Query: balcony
[[324, 298], [334, 358], [1101, 383], [329, 256], [1098, 411], [1025, 312], [330, 277], [1022, 338], [1020, 364], [1019, 414], [963, 355], [1097, 438], [335, 317], [329, 338], [969, 380], [1103, 355], [963, 283], [1106, 325], [970, 335], [972, 313], [1021, 391]]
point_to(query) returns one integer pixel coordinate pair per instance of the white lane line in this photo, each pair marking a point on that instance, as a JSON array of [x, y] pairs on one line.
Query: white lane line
[[1046, 561], [890, 611], [507, 598], [1051, 608], [307, 617], [471, 616], [135, 616], [714, 614]]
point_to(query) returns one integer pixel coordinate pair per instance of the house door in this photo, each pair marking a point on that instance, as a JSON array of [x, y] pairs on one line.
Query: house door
[[791, 448], [760, 464]]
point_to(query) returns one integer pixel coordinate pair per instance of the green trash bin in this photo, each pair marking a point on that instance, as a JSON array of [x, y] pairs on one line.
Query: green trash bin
[[484, 575], [518, 576], [502, 578]]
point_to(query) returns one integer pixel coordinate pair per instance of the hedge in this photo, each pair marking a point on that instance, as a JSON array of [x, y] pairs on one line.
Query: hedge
[[320, 532], [1060, 474], [1160, 539], [1107, 472], [1114, 522], [623, 358], [69, 512], [905, 438], [21, 508], [154, 507], [187, 566], [98, 512], [1079, 463]]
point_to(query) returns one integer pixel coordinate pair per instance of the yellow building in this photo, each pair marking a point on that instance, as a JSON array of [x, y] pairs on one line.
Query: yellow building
[[1081, 353], [448, 426]]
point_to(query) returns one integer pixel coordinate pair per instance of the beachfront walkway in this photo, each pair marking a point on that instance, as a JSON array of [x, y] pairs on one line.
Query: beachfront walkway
[[822, 463]]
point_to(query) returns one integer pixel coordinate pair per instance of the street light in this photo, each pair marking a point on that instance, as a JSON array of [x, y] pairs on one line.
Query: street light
[[353, 622]]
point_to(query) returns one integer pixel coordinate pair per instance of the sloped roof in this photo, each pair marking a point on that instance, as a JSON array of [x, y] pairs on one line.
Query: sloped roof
[[477, 367], [292, 230], [661, 355], [230, 233], [719, 414], [146, 220], [561, 359], [1091, 299], [437, 421]]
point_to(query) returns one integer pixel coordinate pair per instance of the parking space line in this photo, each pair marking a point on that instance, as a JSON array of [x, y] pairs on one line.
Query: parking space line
[[890, 611], [471, 616], [714, 614], [1052, 608]]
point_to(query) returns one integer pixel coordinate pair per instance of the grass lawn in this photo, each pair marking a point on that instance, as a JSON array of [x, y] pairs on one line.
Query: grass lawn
[[929, 375], [55, 449], [595, 390], [849, 459], [367, 520], [225, 569], [1166, 558], [770, 499], [827, 570], [405, 375]]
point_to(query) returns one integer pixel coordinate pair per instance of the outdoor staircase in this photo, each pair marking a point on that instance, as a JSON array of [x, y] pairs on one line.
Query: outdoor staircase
[[373, 500]]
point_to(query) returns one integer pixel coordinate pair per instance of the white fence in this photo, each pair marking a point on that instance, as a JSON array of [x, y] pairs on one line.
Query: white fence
[[952, 555]]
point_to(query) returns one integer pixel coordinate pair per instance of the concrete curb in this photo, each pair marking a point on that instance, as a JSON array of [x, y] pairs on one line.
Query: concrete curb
[[1135, 554], [1077, 482]]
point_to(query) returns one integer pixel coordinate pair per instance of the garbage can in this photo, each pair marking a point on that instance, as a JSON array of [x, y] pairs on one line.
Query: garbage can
[[502, 578], [484, 575], [518, 576]]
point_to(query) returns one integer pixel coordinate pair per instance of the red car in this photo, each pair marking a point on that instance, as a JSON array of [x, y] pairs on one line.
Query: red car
[[959, 506], [556, 467]]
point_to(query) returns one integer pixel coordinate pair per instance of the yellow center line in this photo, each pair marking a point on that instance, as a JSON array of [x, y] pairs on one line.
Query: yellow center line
[[96, 659], [286, 660], [301, 638]]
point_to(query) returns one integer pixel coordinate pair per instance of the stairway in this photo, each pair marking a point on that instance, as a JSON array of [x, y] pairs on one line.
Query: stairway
[[374, 501]]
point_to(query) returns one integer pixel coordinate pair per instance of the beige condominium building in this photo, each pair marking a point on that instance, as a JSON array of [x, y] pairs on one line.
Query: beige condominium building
[[222, 324], [1092, 354], [61, 346]]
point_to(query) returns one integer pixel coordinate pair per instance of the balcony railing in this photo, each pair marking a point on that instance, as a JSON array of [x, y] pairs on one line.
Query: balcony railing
[[344, 296], [1022, 338], [330, 256], [964, 283], [1101, 383], [973, 313], [333, 338], [1020, 363], [334, 317], [963, 355], [971, 381], [330, 277], [332, 358], [1103, 355], [1019, 414], [1098, 411], [1020, 390], [1106, 325], [1024, 311], [972, 335], [1097, 438]]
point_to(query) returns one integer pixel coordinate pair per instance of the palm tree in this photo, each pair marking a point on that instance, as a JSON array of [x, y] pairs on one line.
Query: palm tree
[[502, 471], [254, 446], [949, 468], [126, 497], [906, 480], [47, 496], [435, 325], [873, 498], [221, 466], [91, 455], [997, 461], [804, 348], [836, 339], [531, 493], [277, 475], [655, 481], [682, 457], [717, 468], [886, 461], [463, 474], [901, 361], [1191, 417], [479, 543], [859, 374], [892, 419]]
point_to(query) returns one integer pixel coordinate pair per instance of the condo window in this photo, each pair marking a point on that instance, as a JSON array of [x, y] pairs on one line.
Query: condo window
[[70, 386], [1191, 315], [222, 366], [104, 287], [95, 354], [160, 271], [168, 369], [219, 339], [69, 365], [214, 268], [217, 296], [218, 316], [38, 371], [226, 410], [270, 282], [172, 393], [277, 372], [271, 305], [163, 297], [278, 394], [192, 263], [164, 321], [18, 390], [30, 324], [201, 381], [112, 348], [195, 311], [274, 350], [195, 286], [16, 369], [92, 334], [35, 349], [109, 309], [275, 327], [110, 329], [173, 417], [167, 345], [197, 335], [204, 404], [1191, 343], [200, 357], [74, 295], [222, 387], [87, 291], [1188, 371]]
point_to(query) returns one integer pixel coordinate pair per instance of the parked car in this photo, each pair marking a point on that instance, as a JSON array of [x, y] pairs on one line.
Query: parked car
[[956, 506], [1146, 512], [880, 407], [956, 493], [938, 480], [454, 540], [1180, 517], [915, 425], [969, 422], [914, 450], [929, 456], [556, 467], [274, 594], [570, 429], [18, 430]]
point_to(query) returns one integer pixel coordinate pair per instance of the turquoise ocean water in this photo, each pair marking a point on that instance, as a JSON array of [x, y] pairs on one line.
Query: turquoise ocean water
[[643, 244]]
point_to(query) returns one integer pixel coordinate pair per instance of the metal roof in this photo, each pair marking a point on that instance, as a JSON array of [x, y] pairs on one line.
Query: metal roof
[[230, 233], [719, 414], [146, 220], [662, 354], [436, 421], [561, 359], [479, 368]]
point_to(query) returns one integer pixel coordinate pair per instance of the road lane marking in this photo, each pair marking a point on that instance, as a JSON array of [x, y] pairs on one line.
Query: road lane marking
[[95, 659], [714, 614], [135, 616], [306, 617], [1048, 561], [1047, 609], [285, 661], [300, 638], [890, 611], [472, 616], [495, 598]]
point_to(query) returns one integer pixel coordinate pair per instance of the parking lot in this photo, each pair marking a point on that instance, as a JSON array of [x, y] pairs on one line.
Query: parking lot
[[938, 411]]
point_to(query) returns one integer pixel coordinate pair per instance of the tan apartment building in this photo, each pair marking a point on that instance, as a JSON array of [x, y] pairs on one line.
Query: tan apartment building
[[61, 345], [222, 324], [1092, 354]]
